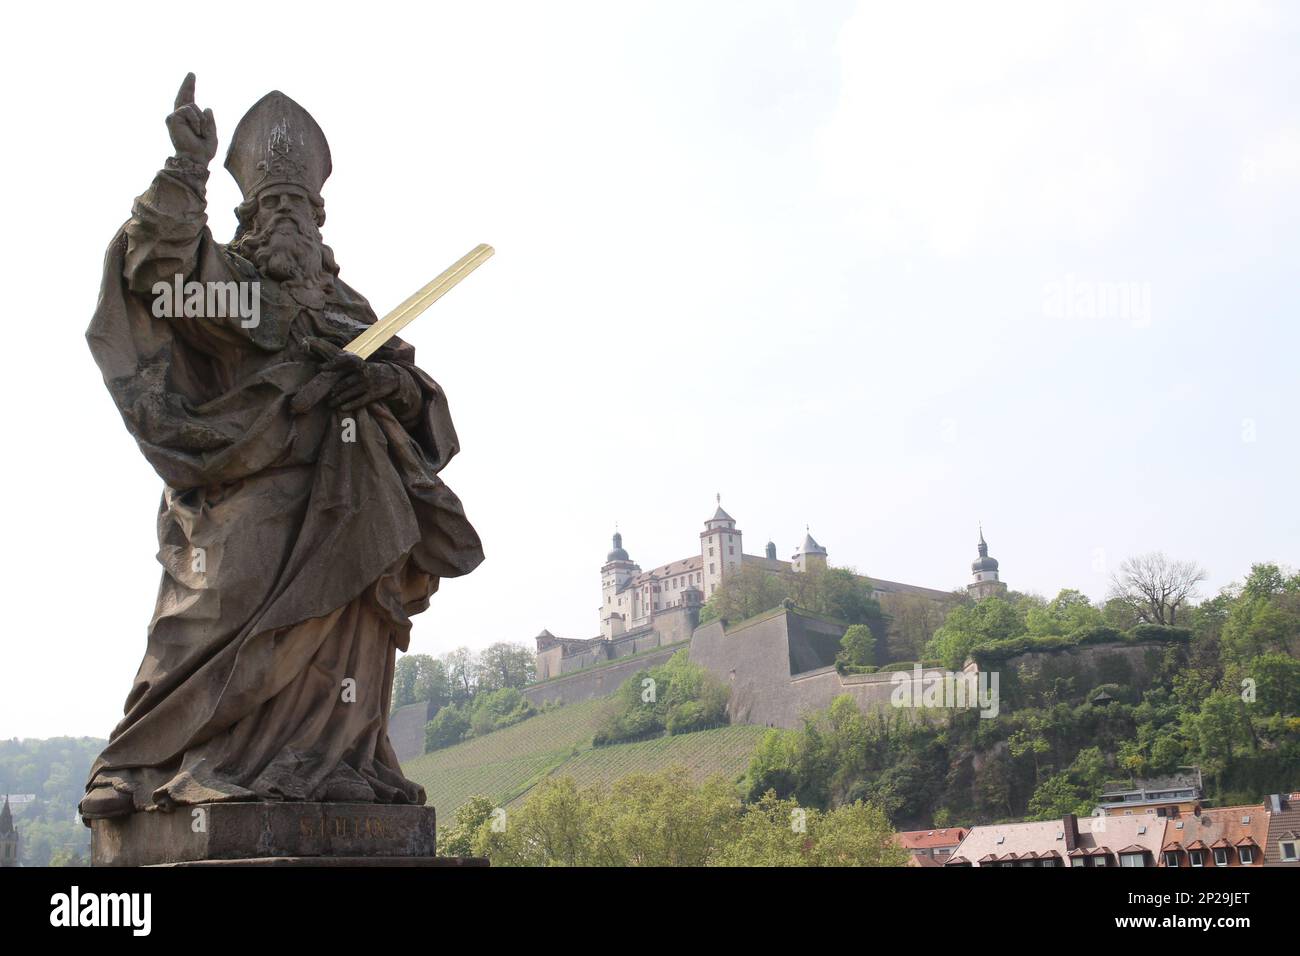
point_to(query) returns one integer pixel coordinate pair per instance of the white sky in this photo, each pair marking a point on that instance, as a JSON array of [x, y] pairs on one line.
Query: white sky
[[802, 254]]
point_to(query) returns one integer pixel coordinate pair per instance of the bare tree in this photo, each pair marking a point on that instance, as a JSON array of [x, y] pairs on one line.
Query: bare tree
[[1155, 587]]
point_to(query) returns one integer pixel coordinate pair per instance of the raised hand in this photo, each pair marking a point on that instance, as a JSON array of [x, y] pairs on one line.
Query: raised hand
[[193, 132]]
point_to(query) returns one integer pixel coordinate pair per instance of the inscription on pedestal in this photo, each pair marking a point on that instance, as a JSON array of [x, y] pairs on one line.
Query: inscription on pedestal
[[231, 831]]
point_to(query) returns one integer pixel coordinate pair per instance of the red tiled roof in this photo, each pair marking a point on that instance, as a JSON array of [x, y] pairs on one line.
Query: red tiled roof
[[928, 839]]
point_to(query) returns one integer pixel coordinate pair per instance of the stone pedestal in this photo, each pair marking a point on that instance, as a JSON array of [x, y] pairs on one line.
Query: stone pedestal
[[275, 834]]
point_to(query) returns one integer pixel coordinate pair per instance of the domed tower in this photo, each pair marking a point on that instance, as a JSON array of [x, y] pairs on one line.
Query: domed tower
[[8, 837], [985, 569], [615, 573], [810, 554], [720, 549]]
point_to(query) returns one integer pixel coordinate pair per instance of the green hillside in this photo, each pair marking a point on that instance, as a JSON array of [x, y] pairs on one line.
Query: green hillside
[[505, 764], [724, 750]]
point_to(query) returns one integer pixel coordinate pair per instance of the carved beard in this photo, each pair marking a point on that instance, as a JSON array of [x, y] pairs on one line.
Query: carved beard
[[286, 248]]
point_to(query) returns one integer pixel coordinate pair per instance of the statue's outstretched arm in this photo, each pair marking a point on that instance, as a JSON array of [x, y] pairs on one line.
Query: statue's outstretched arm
[[169, 220]]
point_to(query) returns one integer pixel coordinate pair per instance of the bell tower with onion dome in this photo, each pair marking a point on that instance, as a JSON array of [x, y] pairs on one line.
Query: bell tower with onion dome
[[985, 570], [615, 573]]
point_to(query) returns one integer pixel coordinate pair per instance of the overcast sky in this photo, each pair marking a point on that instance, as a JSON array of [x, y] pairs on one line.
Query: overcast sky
[[886, 270]]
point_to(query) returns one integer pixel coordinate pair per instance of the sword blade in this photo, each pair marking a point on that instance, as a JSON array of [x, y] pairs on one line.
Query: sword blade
[[369, 341]]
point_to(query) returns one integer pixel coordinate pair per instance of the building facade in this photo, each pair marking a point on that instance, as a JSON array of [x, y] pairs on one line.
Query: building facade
[[640, 610], [1162, 796]]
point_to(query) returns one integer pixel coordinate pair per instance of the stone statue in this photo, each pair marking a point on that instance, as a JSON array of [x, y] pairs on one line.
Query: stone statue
[[298, 533]]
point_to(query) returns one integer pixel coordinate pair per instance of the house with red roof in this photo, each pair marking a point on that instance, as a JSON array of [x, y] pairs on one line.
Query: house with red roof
[[931, 845], [1216, 837], [1282, 845]]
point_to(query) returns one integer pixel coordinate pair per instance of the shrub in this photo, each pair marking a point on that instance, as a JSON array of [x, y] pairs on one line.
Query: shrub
[[1160, 632], [855, 668], [675, 697], [499, 709], [449, 726], [1098, 634]]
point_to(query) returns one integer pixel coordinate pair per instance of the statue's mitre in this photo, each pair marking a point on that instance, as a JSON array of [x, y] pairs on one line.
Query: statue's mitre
[[276, 143]]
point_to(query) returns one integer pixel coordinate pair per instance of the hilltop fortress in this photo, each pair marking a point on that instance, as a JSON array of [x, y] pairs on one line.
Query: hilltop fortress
[[644, 610]]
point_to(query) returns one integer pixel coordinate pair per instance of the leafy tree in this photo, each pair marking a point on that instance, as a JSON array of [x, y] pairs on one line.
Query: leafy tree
[[857, 646], [776, 832], [913, 619], [462, 673], [838, 593], [1277, 683], [449, 726], [1075, 790], [419, 677], [504, 664], [663, 819], [743, 594], [967, 627], [1265, 617], [1066, 613], [462, 836], [554, 827], [1055, 797], [498, 709]]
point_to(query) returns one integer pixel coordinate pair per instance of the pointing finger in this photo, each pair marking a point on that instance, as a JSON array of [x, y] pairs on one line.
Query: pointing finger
[[186, 92]]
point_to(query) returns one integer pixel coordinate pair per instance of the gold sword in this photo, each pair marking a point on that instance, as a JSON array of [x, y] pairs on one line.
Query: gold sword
[[373, 338]]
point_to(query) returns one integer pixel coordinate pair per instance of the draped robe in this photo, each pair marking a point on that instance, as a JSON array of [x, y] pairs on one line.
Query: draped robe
[[292, 557]]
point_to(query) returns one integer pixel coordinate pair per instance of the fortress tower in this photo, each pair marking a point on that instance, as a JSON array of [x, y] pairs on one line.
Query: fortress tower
[[615, 575], [810, 555], [720, 549]]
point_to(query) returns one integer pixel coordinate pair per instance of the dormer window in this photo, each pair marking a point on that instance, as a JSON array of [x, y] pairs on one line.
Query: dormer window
[[1247, 855], [1287, 850], [1220, 856], [1196, 857], [1171, 858]]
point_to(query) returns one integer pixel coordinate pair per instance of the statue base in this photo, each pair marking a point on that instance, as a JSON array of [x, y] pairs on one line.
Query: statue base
[[270, 834]]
